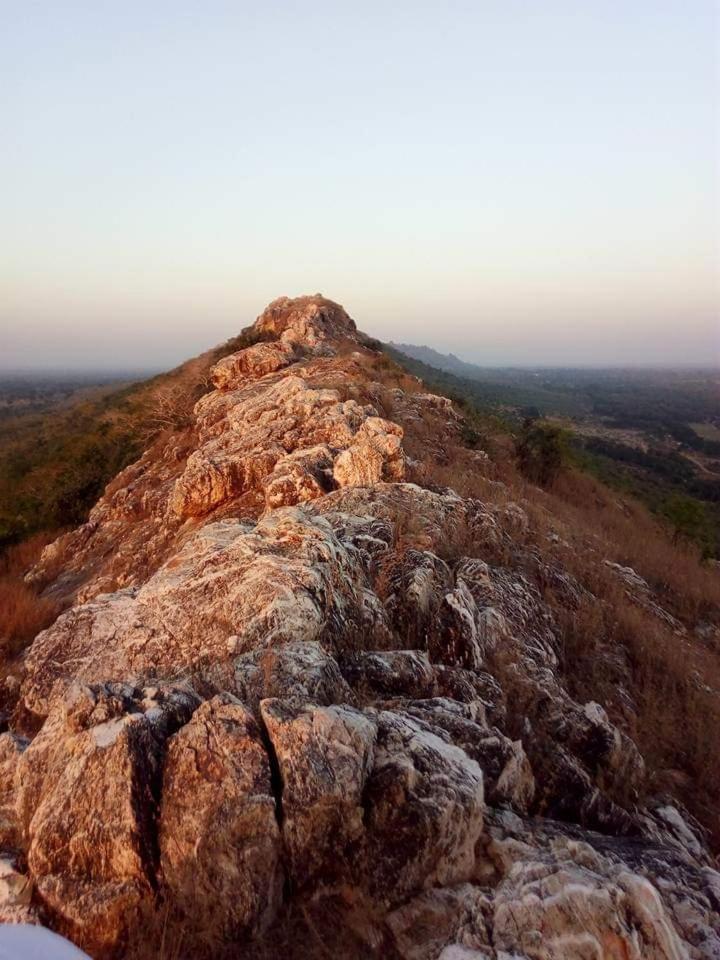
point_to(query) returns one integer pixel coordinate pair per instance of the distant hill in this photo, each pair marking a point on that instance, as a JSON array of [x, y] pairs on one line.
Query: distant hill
[[442, 361]]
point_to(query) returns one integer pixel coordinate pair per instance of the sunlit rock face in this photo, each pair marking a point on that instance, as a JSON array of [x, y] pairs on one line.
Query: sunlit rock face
[[297, 698]]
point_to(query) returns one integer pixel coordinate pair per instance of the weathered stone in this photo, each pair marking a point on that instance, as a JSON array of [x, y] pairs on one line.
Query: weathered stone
[[423, 926], [295, 670], [455, 639], [12, 748], [220, 848], [16, 890], [507, 773], [390, 673], [374, 455], [298, 477], [424, 810], [251, 364], [287, 579], [261, 549], [87, 792], [306, 320], [324, 755]]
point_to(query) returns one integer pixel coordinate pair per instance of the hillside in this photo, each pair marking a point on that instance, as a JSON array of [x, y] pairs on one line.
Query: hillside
[[326, 676], [62, 442], [651, 433]]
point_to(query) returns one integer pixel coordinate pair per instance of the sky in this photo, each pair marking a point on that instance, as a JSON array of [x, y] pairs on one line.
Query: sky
[[518, 182]]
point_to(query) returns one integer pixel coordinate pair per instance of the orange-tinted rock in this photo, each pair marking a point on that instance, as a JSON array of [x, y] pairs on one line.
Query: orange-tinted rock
[[374, 455], [324, 755], [220, 847], [87, 792], [12, 748], [306, 320], [251, 364]]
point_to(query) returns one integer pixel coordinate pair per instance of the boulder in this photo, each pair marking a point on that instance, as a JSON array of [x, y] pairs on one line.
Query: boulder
[[374, 455], [300, 476], [293, 670], [220, 846], [308, 321], [251, 364], [424, 805], [324, 755], [507, 773], [88, 787], [12, 748], [390, 673]]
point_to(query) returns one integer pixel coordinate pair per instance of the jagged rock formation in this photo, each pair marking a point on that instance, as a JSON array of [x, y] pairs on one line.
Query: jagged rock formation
[[292, 683]]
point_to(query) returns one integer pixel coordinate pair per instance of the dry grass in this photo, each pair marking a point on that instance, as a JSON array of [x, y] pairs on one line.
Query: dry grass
[[23, 614], [633, 537], [662, 688], [597, 523], [612, 646]]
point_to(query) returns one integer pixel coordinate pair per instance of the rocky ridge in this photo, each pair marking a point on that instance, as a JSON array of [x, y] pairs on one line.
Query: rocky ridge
[[293, 685]]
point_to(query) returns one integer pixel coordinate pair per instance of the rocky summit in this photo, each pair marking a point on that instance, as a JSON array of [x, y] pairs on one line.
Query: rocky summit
[[304, 701]]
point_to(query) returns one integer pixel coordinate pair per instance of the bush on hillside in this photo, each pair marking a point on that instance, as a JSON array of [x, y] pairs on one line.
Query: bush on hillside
[[541, 452]]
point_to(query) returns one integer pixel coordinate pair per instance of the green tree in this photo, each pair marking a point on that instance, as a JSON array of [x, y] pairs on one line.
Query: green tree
[[541, 451], [689, 519]]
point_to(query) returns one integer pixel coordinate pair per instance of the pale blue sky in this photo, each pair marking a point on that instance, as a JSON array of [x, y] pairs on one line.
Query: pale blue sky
[[528, 182]]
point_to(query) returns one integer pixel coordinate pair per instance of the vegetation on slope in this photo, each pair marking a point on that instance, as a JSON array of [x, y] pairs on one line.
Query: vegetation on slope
[[54, 465], [658, 407], [658, 679]]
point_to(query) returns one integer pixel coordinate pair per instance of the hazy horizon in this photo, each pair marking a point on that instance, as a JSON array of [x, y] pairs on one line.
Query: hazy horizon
[[519, 185]]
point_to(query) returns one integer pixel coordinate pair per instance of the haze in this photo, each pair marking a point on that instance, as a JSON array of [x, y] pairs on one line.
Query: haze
[[530, 183]]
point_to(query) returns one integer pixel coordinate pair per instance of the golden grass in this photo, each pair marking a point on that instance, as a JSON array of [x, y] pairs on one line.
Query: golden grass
[[23, 614], [609, 643]]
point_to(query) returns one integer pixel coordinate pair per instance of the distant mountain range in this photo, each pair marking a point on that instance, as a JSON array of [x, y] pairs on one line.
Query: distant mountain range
[[442, 361]]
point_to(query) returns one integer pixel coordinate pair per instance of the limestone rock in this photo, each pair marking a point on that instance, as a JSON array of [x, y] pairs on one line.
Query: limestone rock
[[324, 755], [12, 748], [457, 641], [87, 791], [251, 364], [374, 455], [220, 850], [406, 767], [244, 433], [300, 476], [306, 320], [16, 890], [422, 927], [289, 578], [293, 670], [425, 807], [506, 769], [392, 673]]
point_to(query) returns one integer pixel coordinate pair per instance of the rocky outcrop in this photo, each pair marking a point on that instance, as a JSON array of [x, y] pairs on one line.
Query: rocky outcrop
[[87, 792], [426, 808], [298, 699], [220, 851], [324, 756], [12, 748]]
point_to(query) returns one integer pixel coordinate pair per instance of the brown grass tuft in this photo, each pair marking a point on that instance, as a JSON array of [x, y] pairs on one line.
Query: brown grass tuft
[[662, 688], [23, 614]]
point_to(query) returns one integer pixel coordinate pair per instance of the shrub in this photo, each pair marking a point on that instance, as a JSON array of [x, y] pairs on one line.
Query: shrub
[[541, 451], [689, 519], [23, 614]]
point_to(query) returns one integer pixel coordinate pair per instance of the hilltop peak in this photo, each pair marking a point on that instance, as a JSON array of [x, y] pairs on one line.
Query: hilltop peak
[[305, 320]]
